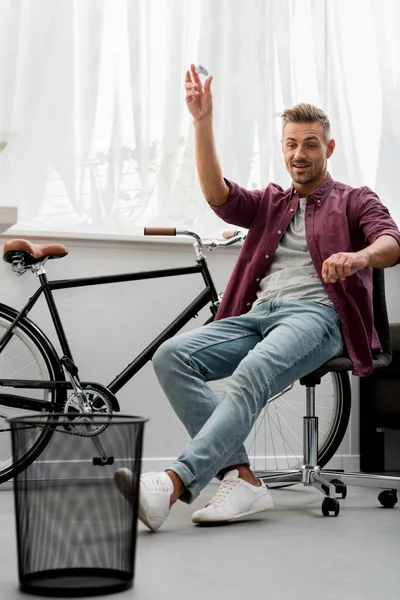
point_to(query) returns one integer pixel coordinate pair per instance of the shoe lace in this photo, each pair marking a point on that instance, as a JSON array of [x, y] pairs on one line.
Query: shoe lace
[[223, 492], [155, 483]]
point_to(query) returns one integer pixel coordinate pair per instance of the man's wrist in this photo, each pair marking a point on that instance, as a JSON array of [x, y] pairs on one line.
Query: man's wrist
[[365, 253], [203, 122]]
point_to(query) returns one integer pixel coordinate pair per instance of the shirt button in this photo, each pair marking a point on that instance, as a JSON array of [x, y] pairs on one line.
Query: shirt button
[[267, 256], [292, 210], [258, 279], [318, 202], [279, 232], [249, 304]]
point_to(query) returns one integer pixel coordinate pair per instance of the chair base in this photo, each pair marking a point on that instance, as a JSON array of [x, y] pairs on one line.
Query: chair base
[[334, 483], [312, 476], [328, 482]]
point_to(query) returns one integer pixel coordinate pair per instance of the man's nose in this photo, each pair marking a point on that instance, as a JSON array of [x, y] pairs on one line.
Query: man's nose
[[299, 154]]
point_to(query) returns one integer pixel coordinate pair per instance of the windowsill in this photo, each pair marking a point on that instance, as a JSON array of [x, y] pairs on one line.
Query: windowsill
[[8, 216]]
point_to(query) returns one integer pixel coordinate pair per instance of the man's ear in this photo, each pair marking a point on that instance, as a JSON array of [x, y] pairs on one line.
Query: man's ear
[[331, 147]]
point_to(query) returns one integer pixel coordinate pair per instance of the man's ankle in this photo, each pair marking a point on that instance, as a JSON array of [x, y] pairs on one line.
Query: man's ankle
[[245, 473], [179, 488]]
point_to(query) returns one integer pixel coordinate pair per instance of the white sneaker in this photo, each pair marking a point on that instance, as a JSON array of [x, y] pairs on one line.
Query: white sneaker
[[124, 482], [154, 495], [235, 498]]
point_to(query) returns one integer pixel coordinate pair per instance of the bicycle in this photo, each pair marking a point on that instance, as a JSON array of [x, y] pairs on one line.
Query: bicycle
[[29, 362]]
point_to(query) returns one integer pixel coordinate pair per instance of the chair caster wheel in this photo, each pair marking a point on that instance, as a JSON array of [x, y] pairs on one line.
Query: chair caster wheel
[[388, 498], [341, 488], [330, 505]]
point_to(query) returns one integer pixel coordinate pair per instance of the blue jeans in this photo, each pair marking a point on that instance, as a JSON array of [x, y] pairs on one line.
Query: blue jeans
[[263, 352]]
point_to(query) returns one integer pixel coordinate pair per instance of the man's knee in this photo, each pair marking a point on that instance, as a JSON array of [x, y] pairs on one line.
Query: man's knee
[[165, 354]]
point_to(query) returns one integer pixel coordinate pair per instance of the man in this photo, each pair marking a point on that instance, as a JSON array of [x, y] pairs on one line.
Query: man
[[299, 295]]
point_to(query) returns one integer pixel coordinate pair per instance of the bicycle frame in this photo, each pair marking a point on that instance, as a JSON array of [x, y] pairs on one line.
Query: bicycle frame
[[206, 296]]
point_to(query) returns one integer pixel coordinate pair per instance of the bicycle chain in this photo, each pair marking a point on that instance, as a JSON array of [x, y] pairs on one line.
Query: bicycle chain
[[77, 433], [58, 428], [61, 427]]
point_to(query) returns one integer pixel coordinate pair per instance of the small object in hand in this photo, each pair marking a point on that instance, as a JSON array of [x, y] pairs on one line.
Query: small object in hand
[[201, 70]]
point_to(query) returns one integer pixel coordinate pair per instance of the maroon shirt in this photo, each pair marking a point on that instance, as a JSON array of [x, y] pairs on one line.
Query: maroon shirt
[[338, 218]]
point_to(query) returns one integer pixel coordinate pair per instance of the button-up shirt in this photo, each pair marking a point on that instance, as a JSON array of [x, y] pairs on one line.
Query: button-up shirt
[[338, 218]]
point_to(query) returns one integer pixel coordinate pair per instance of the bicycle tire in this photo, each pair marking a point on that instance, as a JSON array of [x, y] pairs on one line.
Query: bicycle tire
[[28, 352], [339, 427], [287, 454], [275, 442]]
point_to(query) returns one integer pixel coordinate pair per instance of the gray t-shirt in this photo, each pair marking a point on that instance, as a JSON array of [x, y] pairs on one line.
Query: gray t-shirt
[[291, 273]]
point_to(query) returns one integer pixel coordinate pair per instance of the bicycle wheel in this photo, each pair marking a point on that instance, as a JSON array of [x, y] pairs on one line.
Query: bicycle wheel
[[28, 355], [276, 440]]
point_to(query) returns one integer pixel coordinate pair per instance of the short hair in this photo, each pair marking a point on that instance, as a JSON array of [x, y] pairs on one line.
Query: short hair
[[307, 113]]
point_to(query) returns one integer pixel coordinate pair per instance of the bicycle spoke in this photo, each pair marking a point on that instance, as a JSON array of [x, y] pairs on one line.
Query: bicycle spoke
[[283, 424], [279, 429], [273, 445], [20, 359]]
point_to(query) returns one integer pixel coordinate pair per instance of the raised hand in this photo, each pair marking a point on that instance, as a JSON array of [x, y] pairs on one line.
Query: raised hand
[[198, 95]]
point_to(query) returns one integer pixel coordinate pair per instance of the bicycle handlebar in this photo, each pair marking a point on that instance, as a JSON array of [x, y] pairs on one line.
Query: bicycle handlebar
[[230, 237], [159, 231], [230, 234]]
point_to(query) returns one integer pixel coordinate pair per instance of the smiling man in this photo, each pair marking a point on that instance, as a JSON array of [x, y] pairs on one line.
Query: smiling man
[[306, 147], [299, 295]]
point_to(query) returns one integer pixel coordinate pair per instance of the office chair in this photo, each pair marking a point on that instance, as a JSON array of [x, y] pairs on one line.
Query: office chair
[[333, 482]]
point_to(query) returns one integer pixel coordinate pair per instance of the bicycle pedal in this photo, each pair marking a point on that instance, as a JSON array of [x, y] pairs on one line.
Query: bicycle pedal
[[102, 461]]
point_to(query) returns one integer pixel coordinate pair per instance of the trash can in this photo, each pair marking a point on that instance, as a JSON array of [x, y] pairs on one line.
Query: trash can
[[76, 533]]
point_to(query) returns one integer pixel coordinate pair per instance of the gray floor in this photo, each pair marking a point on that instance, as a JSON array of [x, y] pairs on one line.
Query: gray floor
[[291, 552]]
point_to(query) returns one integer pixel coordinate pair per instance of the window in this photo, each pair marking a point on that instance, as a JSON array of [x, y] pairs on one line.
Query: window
[[99, 139]]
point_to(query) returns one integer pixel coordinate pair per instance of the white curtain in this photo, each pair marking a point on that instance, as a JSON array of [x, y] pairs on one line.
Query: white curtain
[[92, 115]]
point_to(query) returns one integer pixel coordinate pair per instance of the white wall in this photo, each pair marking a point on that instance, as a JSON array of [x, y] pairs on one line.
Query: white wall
[[109, 325]]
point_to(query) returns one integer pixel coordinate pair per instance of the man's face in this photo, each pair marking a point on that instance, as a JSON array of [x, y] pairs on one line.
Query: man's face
[[306, 152]]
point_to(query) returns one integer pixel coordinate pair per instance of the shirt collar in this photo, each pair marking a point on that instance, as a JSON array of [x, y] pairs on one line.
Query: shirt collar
[[321, 193]]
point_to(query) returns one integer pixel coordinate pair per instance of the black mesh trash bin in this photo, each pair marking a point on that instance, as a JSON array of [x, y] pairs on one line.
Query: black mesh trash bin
[[76, 533]]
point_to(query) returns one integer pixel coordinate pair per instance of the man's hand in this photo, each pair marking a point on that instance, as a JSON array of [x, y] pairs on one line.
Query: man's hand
[[342, 265], [198, 96]]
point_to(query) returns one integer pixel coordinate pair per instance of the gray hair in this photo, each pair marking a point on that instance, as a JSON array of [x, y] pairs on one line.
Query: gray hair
[[307, 113]]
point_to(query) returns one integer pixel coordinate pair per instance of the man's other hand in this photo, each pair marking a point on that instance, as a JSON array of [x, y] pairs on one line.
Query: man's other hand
[[342, 265]]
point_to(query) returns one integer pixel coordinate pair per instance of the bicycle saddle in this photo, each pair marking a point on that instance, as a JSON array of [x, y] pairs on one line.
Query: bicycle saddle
[[17, 250]]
